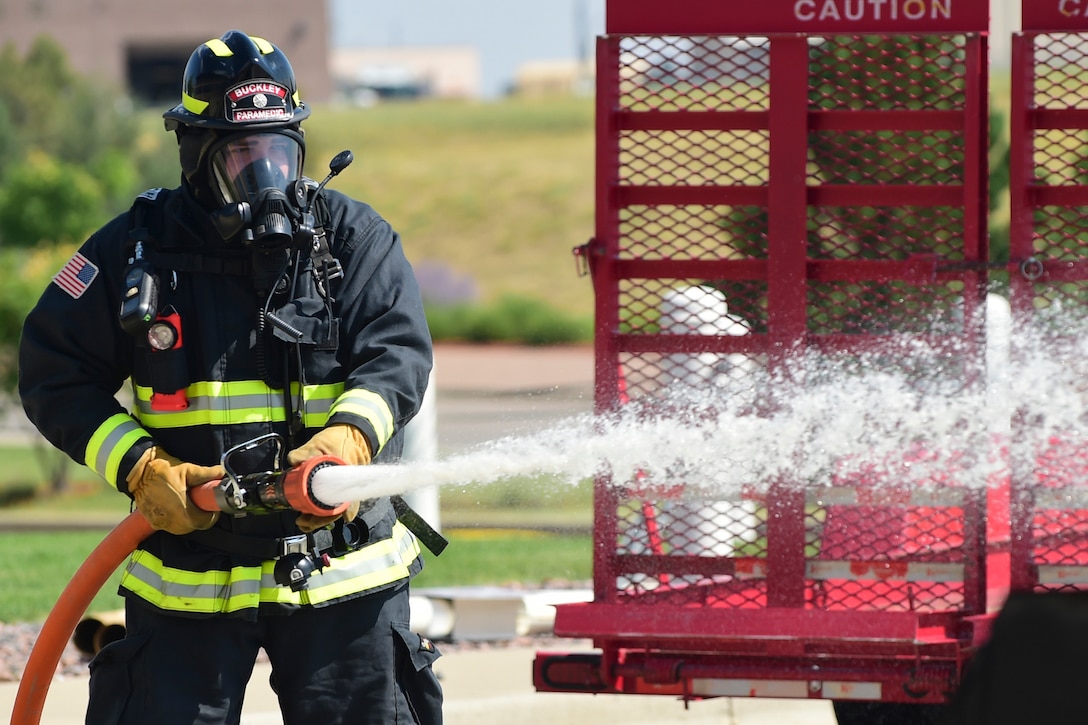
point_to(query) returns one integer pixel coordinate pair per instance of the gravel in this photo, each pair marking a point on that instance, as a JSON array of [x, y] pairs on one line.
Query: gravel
[[16, 641]]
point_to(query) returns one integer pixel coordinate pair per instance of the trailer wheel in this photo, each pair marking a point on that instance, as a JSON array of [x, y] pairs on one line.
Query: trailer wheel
[[886, 713]]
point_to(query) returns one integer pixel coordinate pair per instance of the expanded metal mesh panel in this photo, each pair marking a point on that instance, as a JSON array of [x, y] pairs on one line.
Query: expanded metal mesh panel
[[860, 557], [1057, 66], [648, 374], [848, 307], [689, 274], [888, 73], [693, 73], [918, 157], [1059, 514], [1059, 161], [895, 233], [1061, 156], [1059, 232], [1050, 295], [675, 157], [691, 306], [668, 231], [1061, 311]]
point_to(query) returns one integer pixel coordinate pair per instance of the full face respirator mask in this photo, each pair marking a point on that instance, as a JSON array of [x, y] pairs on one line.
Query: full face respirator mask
[[255, 178]]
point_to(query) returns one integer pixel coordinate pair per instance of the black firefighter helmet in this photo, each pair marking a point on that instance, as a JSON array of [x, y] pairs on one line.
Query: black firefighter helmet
[[238, 97], [237, 82]]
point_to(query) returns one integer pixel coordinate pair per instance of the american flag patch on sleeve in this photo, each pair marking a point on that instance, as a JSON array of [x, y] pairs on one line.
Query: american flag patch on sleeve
[[76, 276]]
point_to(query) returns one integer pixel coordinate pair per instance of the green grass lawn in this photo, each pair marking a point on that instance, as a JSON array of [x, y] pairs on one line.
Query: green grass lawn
[[474, 557], [496, 192]]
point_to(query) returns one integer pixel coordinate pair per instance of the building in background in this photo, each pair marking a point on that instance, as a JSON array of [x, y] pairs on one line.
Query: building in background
[[554, 78], [142, 46], [1004, 21], [367, 75]]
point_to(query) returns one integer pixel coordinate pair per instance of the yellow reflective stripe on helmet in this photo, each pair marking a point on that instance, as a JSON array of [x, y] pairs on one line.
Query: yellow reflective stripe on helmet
[[220, 48], [245, 587], [193, 105], [238, 402], [108, 445], [369, 406], [262, 45]]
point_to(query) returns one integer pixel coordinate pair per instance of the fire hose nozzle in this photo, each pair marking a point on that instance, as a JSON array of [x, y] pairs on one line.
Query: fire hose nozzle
[[267, 491]]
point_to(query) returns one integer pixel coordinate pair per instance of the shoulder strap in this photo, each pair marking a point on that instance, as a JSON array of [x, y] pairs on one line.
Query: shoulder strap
[[141, 210], [326, 266], [146, 226]]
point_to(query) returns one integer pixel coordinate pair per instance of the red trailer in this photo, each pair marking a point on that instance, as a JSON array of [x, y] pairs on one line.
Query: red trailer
[[774, 182]]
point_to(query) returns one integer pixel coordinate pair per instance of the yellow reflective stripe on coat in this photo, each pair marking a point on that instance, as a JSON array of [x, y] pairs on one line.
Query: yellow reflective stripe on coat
[[369, 406], [109, 444], [245, 587], [238, 402]]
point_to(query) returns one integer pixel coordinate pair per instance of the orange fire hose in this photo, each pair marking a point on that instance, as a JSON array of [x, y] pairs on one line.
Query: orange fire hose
[[104, 560], [62, 620]]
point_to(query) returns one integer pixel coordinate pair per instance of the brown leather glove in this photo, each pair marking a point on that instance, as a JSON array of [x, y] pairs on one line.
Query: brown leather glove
[[160, 483], [347, 443]]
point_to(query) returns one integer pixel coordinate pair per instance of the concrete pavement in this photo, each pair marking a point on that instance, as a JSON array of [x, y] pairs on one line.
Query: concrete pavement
[[494, 687]]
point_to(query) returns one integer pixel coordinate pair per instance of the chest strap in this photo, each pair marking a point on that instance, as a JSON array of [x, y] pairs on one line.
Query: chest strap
[[340, 540]]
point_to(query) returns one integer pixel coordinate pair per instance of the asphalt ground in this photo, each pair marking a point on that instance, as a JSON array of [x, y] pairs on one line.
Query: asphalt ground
[[483, 393]]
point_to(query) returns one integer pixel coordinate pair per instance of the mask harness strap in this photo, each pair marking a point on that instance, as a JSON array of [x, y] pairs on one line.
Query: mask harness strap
[[274, 282]]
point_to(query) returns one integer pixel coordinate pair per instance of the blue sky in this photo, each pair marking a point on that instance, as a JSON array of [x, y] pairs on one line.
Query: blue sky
[[507, 33], [510, 32]]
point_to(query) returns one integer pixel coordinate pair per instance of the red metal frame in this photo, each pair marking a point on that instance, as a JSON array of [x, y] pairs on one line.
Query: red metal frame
[[822, 201]]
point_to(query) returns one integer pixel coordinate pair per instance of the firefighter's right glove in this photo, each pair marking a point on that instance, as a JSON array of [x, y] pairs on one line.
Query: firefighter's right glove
[[347, 443], [160, 483]]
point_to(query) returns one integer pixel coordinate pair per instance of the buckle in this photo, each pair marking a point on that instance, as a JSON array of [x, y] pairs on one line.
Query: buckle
[[299, 544]]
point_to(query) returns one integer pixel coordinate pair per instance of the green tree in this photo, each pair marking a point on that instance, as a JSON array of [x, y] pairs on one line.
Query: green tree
[[85, 126], [26, 273], [72, 155], [46, 200]]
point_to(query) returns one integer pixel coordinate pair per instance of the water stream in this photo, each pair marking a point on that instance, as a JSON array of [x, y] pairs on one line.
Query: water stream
[[822, 417]]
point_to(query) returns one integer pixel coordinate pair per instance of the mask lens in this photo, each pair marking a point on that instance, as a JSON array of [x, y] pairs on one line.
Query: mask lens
[[246, 166]]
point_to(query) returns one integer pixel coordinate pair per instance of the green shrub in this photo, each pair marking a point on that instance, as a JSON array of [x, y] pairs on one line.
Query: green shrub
[[512, 319]]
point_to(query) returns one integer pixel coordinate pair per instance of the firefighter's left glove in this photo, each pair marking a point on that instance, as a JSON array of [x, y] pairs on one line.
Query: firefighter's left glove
[[160, 483], [347, 443]]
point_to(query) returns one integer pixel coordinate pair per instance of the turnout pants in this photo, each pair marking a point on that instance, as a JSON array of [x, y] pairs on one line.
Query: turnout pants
[[354, 662]]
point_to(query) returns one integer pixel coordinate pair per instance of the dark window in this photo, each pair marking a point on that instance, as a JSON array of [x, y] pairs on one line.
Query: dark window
[[154, 74]]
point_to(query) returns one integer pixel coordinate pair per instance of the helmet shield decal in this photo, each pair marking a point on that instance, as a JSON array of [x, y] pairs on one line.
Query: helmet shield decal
[[256, 102], [246, 167]]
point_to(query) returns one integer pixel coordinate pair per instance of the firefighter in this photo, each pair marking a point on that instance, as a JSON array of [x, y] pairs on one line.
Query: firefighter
[[245, 303]]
